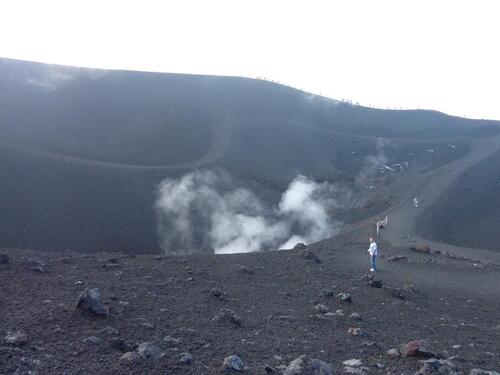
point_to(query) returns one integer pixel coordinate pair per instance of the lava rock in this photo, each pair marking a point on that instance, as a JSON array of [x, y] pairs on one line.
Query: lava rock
[[322, 309], [90, 301], [417, 348], [478, 371], [304, 365], [300, 246], [17, 338], [356, 332], [393, 353], [395, 258], [353, 362], [355, 316], [130, 358], [421, 249], [437, 366], [185, 358], [232, 363], [227, 316], [149, 350], [344, 297]]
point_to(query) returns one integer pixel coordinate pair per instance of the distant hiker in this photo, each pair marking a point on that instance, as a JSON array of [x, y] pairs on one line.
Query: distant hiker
[[372, 250], [415, 202], [381, 224]]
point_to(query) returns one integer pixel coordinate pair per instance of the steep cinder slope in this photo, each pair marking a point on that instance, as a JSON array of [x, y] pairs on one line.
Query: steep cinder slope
[[83, 150]]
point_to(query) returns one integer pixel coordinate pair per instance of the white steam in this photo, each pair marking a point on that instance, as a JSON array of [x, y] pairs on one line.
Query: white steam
[[204, 210]]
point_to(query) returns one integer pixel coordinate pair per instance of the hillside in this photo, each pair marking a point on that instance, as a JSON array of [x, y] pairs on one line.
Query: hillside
[[82, 151]]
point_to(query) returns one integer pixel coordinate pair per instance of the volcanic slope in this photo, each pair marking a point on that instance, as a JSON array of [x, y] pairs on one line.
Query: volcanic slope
[[82, 151]]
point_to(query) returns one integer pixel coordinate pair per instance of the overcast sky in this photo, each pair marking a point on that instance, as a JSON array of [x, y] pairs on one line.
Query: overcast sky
[[436, 54]]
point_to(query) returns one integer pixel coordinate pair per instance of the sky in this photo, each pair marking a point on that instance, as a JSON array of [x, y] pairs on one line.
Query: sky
[[439, 54]]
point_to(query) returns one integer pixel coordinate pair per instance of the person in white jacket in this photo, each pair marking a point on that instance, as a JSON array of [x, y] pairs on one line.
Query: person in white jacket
[[372, 250]]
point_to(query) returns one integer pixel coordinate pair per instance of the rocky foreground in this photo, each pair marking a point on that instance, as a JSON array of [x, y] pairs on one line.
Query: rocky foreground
[[310, 311]]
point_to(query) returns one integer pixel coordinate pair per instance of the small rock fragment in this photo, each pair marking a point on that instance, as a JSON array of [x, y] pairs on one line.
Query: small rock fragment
[[4, 258], [149, 350], [344, 297], [17, 338], [130, 358], [355, 316], [185, 358], [393, 353], [228, 316], [94, 340], [232, 363], [417, 348], [90, 301], [304, 365]]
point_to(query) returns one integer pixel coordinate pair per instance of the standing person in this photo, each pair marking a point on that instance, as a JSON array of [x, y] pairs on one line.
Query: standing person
[[373, 254]]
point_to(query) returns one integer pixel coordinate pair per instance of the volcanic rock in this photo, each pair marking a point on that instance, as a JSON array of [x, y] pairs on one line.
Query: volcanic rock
[[149, 350], [304, 365], [421, 249], [185, 358], [90, 301], [394, 258], [232, 363], [322, 309], [437, 366], [17, 338], [417, 348], [130, 358], [94, 340], [393, 353], [356, 331], [228, 316], [355, 316], [300, 246], [344, 297], [478, 371]]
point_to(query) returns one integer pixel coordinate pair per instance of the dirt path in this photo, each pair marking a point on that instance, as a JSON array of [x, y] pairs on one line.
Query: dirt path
[[216, 149], [402, 228]]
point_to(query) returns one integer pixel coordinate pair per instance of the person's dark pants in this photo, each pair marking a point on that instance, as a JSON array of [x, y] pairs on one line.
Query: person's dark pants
[[374, 262]]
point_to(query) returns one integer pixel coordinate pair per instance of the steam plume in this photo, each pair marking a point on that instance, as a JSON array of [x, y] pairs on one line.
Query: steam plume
[[206, 210]]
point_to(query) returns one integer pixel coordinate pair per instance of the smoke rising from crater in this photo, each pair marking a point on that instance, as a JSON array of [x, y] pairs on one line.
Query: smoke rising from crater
[[206, 210]]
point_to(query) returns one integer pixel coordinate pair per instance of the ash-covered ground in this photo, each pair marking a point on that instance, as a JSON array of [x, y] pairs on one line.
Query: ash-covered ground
[[266, 308]]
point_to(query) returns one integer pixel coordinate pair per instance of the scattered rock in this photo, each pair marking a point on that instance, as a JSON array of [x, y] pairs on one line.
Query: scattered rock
[[90, 301], [355, 316], [322, 309], [304, 365], [438, 366], [478, 371], [149, 350], [17, 338], [344, 297], [215, 292], [353, 370], [143, 322], [421, 249], [417, 348], [393, 353], [353, 362], [232, 363], [356, 331], [4, 258], [185, 358], [228, 316], [309, 255], [372, 281], [130, 358]]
